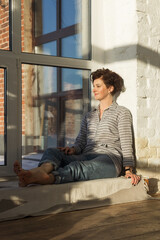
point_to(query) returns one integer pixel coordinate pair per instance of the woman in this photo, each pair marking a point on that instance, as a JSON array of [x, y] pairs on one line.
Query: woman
[[103, 147]]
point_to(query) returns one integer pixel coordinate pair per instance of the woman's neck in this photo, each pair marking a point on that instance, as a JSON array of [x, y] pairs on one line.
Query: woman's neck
[[106, 104]]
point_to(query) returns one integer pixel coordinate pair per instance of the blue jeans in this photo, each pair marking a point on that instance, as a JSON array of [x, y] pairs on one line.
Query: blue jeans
[[71, 168]]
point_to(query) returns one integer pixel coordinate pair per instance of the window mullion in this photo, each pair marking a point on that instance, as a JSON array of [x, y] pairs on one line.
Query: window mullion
[[57, 35], [59, 122], [55, 61], [16, 26], [58, 27]]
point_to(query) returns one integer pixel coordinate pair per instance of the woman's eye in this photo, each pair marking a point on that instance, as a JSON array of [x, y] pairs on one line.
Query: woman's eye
[[97, 86]]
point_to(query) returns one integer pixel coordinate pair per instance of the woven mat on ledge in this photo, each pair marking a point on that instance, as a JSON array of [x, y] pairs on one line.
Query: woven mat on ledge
[[35, 200]]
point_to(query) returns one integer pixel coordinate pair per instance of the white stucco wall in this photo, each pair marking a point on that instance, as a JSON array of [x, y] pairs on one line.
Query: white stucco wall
[[114, 45], [120, 30], [148, 90], [126, 37]]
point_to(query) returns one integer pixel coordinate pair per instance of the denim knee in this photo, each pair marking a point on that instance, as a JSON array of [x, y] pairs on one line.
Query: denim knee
[[51, 155]]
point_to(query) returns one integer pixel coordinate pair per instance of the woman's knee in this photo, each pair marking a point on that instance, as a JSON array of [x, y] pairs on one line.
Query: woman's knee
[[51, 152]]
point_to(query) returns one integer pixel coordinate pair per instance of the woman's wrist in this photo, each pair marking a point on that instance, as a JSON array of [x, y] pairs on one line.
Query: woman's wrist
[[128, 170]]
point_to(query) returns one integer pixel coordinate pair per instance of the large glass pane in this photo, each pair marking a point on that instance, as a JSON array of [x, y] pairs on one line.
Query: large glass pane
[[38, 17], [4, 25], [61, 29], [39, 108], [71, 12], [73, 82], [51, 112], [2, 162], [72, 79], [75, 17]]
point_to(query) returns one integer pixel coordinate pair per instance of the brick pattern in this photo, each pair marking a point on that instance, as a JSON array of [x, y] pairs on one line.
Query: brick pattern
[[4, 25], [4, 45], [148, 87], [1, 101]]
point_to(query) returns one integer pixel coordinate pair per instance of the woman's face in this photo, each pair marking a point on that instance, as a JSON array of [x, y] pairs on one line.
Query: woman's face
[[100, 90]]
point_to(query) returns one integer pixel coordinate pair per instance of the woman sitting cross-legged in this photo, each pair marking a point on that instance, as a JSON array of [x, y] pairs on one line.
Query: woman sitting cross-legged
[[103, 147]]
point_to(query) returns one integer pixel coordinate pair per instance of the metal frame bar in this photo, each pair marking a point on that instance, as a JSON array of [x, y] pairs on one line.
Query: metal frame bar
[[60, 33], [30, 58]]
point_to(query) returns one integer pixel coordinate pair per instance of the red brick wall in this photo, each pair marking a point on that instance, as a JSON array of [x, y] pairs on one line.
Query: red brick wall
[[4, 25], [1, 102], [4, 45]]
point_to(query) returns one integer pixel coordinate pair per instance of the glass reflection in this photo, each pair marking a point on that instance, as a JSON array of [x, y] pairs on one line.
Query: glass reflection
[[39, 108], [71, 12], [49, 79], [45, 15], [52, 106], [61, 29], [71, 46], [71, 79], [49, 48], [73, 109]]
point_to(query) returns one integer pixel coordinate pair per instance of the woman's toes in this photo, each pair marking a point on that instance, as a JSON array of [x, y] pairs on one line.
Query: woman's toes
[[17, 167]]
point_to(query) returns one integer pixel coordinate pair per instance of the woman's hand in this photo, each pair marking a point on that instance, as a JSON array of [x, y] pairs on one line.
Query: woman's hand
[[134, 178], [68, 150]]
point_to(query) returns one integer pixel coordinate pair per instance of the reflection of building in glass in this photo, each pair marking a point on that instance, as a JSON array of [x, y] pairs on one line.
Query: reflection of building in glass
[[58, 28], [52, 97], [52, 113], [52, 103]]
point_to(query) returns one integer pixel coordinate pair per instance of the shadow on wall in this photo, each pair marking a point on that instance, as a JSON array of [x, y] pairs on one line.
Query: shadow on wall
[[130, 52]]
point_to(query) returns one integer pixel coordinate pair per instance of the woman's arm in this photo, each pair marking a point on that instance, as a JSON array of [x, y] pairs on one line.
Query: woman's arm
[[126, 139]]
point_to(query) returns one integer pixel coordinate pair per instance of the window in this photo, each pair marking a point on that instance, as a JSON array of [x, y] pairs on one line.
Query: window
[[52, 106], [58, 28], [44, 70], [53, 96]]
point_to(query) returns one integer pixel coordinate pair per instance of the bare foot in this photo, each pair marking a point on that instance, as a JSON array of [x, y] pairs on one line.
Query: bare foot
[[38, 176], [17, 167]]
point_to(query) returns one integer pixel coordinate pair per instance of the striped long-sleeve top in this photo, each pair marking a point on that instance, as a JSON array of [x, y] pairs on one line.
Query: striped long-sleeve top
[[112, 135]]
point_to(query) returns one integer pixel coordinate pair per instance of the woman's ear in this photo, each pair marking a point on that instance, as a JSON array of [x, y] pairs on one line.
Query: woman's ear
[[111, 89]]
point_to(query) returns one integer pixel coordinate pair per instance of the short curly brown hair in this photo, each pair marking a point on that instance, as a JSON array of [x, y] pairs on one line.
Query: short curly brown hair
[[110, 79]]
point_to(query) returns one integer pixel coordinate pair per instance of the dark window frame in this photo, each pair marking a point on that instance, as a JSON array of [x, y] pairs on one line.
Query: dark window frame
[[59, 33]]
